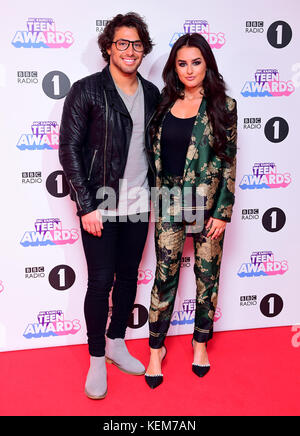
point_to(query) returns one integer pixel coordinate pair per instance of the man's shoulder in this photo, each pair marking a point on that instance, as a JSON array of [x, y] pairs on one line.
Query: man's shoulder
[[151, 87], [90, 85], [147, 83], [89, 80]]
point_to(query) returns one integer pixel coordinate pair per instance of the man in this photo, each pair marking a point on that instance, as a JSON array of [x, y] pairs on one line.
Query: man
[[104, 141]]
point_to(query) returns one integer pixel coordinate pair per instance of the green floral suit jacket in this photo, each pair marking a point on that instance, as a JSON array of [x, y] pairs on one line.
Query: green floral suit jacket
[[210, 177]]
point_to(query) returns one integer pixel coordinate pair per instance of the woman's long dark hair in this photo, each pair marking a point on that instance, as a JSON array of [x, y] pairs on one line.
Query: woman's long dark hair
[[214, 91]]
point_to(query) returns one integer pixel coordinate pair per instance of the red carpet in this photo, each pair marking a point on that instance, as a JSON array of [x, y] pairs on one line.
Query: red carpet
[[254, 372]]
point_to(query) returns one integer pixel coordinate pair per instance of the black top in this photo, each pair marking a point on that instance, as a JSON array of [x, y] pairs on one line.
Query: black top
[[175, 139]]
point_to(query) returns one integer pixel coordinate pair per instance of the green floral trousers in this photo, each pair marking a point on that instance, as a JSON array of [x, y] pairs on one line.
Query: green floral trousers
[[169, 242]]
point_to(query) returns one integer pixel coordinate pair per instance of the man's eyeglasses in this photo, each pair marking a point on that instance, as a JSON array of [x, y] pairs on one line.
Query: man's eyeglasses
[[123, 44]]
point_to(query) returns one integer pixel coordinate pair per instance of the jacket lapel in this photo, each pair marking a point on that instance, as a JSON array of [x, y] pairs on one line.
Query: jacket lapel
[[114, 98], [197, 134]]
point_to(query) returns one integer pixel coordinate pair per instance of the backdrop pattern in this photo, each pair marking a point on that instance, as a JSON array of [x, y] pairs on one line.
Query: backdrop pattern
[[45, 47]]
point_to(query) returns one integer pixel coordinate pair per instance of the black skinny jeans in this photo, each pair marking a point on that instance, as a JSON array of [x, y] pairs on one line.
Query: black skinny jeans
[[112, 260]]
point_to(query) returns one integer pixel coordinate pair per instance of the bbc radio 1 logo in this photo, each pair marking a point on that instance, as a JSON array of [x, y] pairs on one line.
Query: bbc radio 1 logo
[[42, 33], [57, 185], [273, 219], [215, 40], [187, 314], [254, 27], [267, 83], [61, 277], [34, 272], [250, 214], [100, 25], [49, 231], [279, 33], [248, 300], [252, 123], [44, 135], [265, 176], [56, 182], [270, 305], [276, 128], [31, 177], [262, 264], [27, 77], [56, 84], [138, 317], [51, 323]]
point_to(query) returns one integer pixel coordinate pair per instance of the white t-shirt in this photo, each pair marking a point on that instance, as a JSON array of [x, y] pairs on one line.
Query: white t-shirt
[[134, 189]]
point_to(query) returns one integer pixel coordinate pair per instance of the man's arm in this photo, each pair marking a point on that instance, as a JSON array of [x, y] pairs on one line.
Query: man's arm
[[71, 139]]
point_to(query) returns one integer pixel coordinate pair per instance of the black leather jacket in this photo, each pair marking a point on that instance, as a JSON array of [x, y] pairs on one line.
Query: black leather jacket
[[95, 134]]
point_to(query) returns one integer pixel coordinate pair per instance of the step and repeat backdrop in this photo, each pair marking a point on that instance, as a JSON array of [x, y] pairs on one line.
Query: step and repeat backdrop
[[47, 46]]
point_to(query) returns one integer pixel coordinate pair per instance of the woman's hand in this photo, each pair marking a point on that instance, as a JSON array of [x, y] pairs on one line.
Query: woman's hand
[[216, 227], [92, 222]]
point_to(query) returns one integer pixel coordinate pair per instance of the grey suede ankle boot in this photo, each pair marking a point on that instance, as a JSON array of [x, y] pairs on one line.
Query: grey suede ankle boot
[[116, 352], [96, 381]]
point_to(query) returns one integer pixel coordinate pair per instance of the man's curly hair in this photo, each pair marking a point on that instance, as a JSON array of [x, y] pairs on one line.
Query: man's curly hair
[[131, 19]]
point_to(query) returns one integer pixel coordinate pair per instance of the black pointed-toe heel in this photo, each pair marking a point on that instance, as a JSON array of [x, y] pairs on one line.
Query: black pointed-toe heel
[[153, 381], [200, 370]]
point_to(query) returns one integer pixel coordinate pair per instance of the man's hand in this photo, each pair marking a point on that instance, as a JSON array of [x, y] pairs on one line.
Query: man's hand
[[92, 222], [216, 226]]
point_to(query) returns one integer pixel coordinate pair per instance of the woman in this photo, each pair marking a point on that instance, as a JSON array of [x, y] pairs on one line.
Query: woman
[[194, 147]]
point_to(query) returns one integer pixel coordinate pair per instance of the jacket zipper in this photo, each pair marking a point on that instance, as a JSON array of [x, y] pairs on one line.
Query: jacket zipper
[[76, 193], [147, 125], [105, 142], [92, 164]]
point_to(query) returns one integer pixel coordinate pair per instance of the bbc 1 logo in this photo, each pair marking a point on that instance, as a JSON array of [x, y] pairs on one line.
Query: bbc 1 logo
[[271, 305], [276, 129], [138, 317], [279, 34], [57, 185], [56, 85], [273, 219], [62, 277]]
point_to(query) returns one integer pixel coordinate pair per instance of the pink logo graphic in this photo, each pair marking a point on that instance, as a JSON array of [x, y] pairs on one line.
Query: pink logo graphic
[[49, 231], [51, 323], [41, 32], [267, 84], [215, 40], [1, 286], [263, 263], [44, 136], [144, 277], [265, 176], [218, 314]]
